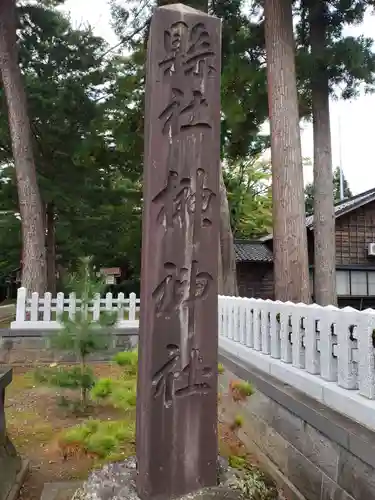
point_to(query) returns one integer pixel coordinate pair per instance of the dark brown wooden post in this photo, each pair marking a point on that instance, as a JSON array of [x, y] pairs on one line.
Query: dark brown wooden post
[[177, 381]]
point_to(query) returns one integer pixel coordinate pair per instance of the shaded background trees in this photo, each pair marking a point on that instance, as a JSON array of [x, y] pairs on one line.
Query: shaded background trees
[[86, 112]]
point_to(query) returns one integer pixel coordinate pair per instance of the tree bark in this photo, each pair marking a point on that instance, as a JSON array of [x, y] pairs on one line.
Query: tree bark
[[51, 248], [290, 238], [324, 218], [227, 257], [31, 210]]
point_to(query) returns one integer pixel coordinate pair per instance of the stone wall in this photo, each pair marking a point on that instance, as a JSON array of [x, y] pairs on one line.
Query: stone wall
[[27, 347], [10, 462], [301, 442]]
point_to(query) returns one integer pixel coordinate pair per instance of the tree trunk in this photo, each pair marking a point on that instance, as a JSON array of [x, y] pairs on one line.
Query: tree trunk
[[324, 218], [227, 257], [34, 259], [227, 280], [289, 229], [51, 248]]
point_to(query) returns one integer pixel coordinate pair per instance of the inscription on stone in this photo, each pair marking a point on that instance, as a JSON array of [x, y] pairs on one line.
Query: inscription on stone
[[177, 380], [178, 198], [170, 382], [188, 50]]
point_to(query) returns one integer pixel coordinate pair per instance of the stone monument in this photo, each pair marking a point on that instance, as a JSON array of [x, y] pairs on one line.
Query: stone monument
[[177, 379]]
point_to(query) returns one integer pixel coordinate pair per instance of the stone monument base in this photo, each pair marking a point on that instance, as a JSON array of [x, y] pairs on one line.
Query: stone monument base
[[117, 482], [12, 470]]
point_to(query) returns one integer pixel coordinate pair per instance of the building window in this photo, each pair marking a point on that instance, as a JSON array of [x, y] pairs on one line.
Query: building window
[[371, 282], [358, 282], [352, 283], [343, 282]]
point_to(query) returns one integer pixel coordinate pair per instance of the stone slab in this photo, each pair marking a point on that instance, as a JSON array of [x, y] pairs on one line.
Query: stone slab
[[60, 491], [177, 376]]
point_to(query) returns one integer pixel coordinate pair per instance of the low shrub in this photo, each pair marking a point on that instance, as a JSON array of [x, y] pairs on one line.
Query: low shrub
[[241, 390], [237, 422], [102, 389], [127, 360], [220, 368], [237, 462], [100, 438], [124, 397]]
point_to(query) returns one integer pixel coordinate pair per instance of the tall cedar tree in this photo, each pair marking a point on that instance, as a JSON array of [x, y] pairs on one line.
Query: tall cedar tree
[[289, 230], [31, 210], [324, 220]]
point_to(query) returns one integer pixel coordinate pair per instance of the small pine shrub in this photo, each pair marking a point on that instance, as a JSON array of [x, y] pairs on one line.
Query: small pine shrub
[[237, 462], [127, 360], [101, 444], [220, 368], [101, 438], [124, 397], [102, 389], [67, 378], [237, 422], [241, 390]]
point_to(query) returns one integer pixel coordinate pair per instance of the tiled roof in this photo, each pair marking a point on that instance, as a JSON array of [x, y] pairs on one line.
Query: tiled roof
[[252, 251], [345, 206], [341, 208]]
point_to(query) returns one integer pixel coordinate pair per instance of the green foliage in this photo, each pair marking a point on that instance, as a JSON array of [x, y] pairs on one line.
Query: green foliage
[[238, 422], [309, 191], [243, 388], [102, 389], [101, 438], [127, 360], [253, 484], [248, 186], [124, 397], [64, 377], [120, 393], [220, 368], [81, 335], [237, 462]]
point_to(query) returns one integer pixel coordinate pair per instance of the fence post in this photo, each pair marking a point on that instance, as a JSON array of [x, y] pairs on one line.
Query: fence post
[[132, 305], [21, 305], [47, 306], [59, 306], [72, 306], [108, 301], [96, 307], [366, 365], [120, 306], [310, 339], [34, 306]]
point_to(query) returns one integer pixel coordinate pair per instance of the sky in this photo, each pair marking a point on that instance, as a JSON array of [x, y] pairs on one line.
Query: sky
[[352, 122]]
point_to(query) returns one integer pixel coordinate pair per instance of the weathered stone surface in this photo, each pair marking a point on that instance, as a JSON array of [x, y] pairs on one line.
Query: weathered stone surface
[[10, 461], [304, 474], [331, 491], [60, 491], [356, 477], [177, 385], [117, 482], [321, 451]]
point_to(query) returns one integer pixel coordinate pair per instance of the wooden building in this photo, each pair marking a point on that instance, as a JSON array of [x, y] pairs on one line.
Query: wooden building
[[355, 255]]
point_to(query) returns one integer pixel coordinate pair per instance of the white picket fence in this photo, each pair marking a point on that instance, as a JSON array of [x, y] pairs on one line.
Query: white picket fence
[[326, 352], [38, 312]]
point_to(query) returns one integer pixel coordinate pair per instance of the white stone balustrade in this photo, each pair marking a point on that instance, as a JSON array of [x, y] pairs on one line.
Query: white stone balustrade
[[335, 344], [38, 312]]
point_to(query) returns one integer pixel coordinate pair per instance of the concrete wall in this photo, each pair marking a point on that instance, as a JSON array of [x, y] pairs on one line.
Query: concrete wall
[[27, 347], [303, 443]]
